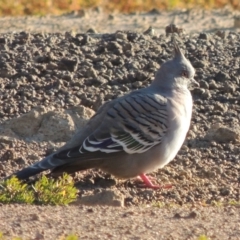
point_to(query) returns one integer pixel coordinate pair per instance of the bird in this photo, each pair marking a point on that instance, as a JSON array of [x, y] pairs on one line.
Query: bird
[[134, 134]]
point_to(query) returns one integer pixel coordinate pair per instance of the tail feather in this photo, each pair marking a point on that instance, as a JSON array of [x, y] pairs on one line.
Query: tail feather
[[36, 168], [57, 166], [59, 163], [27, 172]]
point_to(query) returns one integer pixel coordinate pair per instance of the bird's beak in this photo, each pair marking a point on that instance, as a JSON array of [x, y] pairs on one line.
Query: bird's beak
[[194, 83]]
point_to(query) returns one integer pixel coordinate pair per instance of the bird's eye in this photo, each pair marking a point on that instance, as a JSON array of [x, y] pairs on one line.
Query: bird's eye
[[184, 73]]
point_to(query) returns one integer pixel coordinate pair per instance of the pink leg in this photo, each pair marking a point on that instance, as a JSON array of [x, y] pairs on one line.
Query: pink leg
[[149, 184]]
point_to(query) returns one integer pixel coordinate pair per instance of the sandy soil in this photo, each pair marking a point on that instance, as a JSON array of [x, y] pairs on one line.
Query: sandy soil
[[196, 20], [148, 223], [136, 222]]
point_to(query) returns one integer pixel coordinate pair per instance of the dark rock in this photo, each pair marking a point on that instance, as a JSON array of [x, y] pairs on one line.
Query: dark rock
[[68, 64], [203, 36], [222, 76]]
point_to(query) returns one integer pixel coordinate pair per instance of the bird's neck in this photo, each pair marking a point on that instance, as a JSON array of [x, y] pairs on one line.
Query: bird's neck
[[156, 88], [168, 82], [166, 89]]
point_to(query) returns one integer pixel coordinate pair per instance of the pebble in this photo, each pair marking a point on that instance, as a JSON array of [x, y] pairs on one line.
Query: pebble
[[103, 198]]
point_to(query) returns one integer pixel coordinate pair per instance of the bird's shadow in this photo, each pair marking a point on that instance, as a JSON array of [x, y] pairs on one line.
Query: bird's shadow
[[87, 180]]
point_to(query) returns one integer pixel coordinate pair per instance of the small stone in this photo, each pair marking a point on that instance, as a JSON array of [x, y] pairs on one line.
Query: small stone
[[110, 17], [225, 191], [80, 13], [200, 64], [21, 161], [220, 107], [177, 215], [104, 198], [68, 64], [8, 155], [222, 76], [39, 236], [91, 30], [56, 126], [194, 214], [2, 40], [96, 81], [98, 9], [198, 91], [204, 84], [218, 170], [121, 35], [150, 31], [203, 36], [206, 94], [213, 85], [228, 87], [222, 134], [172, 28], [237, 22], [154, 11], [35, 217], [2, 167], [91, 72], [221, 34], [90, 210], [137, 84]]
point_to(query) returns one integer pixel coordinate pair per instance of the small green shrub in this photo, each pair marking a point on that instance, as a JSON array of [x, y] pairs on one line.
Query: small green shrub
[[227, 203], [14, 191], [234, 203], [203, 237], [69, 237], [49, 191], [2, 237], [44, 191]]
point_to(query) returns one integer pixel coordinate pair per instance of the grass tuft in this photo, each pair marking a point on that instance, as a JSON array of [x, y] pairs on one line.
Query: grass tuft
[[69, 237], [233, 203], [49, 191], [14, 191], [203, 237], [44, 191]]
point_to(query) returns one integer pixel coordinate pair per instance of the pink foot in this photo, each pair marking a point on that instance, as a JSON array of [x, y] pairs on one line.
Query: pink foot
[[148, 184]]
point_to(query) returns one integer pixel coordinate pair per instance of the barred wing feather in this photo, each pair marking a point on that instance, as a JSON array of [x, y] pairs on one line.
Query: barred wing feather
[[134, 125]]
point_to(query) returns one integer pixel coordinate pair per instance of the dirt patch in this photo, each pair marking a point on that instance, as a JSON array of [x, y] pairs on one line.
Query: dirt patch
[[33, 222]]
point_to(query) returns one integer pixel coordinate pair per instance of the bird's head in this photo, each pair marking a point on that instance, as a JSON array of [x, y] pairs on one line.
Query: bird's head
[[175, 73]]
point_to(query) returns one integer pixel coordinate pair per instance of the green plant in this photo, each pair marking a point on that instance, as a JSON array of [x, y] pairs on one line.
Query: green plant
[[227, 203], [44, 191], [49, 191], [69, 237], [203, 237], [234, 203], [13, 191], [3, 238]]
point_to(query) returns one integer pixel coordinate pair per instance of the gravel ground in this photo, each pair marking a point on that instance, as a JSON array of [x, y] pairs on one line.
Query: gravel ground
[[125, 223], [52, 81]]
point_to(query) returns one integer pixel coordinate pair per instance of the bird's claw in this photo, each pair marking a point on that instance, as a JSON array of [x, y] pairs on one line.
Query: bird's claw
[[148, 184]]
